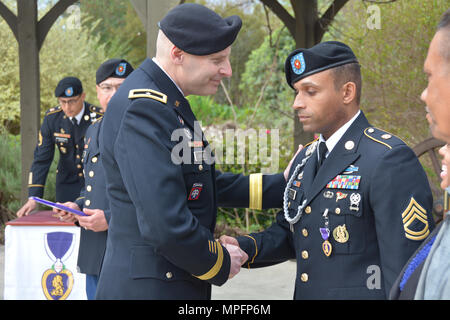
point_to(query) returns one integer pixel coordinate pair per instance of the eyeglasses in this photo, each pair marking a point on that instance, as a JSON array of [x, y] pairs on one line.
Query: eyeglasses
[[108, 88], [69, 102]]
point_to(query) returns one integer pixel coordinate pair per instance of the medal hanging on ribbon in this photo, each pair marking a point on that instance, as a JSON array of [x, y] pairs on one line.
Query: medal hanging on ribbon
[[325, 233]]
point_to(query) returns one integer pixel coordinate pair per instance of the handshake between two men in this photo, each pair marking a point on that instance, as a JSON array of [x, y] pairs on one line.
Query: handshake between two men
[[237, 255]]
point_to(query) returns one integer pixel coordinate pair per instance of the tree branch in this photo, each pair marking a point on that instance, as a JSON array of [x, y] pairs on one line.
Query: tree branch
[[10, 18], [49, 19], [326, 19], [281, 12]]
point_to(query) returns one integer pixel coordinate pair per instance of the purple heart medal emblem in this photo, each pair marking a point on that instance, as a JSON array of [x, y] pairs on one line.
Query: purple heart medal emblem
[[325, 233], [57, 282]]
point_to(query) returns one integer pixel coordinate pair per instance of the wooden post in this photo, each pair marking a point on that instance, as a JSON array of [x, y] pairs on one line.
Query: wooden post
[[29, 85], [151, 12]]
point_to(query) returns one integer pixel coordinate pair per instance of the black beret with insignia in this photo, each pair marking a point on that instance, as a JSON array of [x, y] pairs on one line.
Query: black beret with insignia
[[302, 63], [198, 30], [69, 87], [113, 68]]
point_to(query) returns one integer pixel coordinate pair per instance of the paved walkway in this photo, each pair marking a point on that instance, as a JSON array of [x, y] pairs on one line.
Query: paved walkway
[[270, 283]]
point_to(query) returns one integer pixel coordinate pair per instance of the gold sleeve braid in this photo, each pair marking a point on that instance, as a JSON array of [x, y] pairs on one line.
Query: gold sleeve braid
[[217, 266], [256, 184]]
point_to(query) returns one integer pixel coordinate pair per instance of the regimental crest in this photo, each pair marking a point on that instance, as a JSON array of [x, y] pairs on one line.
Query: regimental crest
[[298, 63], [57, 282], [415, 221], [69, 92], [121, 69]]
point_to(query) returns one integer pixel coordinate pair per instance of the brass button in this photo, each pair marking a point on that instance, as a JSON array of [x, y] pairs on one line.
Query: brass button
[[305, 254], [337, 211], [305, 233], [304, 277], [308, 210], [79, 166], [94, 160], [78, 156], [200, 167], [87, 203], [91, 174], [169, 275], [80, 174], [76, 146], [89, 188]]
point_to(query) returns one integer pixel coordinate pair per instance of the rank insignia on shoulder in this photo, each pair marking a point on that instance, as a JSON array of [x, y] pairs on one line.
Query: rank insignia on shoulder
[[53, 110], [195, 191], [95, 111], [415, 221], [147, 93]]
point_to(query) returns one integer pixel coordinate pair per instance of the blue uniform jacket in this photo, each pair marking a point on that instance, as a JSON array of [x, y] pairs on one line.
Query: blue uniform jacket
[[164, 198], [57, 130], [373, 195], [93, 196]]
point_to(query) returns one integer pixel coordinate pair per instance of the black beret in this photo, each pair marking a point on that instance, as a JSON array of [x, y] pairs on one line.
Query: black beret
[[302, 63], [198, 30], [113, 68], [69, 87]]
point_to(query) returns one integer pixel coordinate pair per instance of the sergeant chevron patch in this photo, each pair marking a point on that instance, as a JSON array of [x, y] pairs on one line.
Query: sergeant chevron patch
[[415, 221]]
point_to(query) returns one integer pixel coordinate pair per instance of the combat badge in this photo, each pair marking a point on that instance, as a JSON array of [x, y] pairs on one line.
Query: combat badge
[[415, 221], [195, 191]]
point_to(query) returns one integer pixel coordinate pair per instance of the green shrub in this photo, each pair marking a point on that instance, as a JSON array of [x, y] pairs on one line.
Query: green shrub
[[10, 173]]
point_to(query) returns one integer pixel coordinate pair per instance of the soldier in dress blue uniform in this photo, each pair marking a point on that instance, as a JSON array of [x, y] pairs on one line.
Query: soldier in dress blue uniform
[[64, 126], [161, 181], [92, 198], [357, 203]]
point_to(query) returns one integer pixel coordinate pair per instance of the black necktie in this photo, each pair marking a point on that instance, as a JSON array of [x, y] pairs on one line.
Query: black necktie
[[322, 151], [75, 129]]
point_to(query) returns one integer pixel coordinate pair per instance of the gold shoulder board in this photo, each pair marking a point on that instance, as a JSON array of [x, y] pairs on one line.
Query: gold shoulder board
[[147, 93], [53, 110]]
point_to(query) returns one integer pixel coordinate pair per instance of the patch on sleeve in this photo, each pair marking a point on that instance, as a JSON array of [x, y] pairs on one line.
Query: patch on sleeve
[[415, 221]]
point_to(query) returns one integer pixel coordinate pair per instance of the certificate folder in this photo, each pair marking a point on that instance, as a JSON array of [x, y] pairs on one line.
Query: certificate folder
[[58, 206]]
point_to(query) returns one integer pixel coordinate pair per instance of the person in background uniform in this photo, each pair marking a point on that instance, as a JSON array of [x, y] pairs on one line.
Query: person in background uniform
[[161, 180], [92, 198], [426, 275], [64, 126], [357, 203]]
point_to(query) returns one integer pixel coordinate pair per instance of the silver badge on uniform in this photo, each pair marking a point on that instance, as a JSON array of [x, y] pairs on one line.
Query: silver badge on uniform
[[355, 199]]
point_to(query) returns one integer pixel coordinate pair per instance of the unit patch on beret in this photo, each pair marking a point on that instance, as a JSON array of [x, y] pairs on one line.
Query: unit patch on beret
[[298, 63], [121, 69], [69, 92]]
